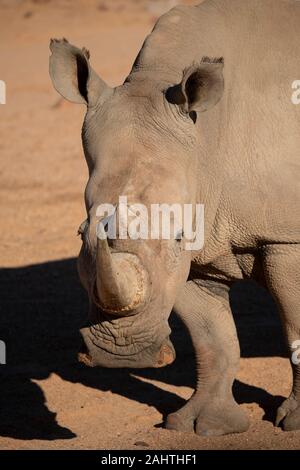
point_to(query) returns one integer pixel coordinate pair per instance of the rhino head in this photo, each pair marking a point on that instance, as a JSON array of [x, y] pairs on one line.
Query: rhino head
[[140, 140]]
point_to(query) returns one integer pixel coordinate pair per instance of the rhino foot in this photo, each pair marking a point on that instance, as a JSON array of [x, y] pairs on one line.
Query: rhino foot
[[228, 419], [214, 418], [288, 414]]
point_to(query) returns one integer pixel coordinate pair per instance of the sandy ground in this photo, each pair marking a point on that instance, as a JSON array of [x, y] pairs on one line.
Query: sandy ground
[[47, 400]]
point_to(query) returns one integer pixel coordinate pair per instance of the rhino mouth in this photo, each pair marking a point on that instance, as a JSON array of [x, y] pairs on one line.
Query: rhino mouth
[[120, 343], [103, 347]]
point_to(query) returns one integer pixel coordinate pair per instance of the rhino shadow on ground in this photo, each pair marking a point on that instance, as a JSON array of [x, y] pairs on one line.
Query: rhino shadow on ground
[[42, 308]]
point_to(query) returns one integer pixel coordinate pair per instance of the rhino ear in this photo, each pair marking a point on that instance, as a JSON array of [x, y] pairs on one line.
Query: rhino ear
[[71, 73], [201, 88]]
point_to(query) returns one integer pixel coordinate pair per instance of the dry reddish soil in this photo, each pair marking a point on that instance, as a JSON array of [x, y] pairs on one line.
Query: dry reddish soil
[[48, 401]]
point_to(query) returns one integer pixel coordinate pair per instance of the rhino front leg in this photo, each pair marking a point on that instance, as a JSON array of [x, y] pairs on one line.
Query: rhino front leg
[[282, 273], [212, 409]]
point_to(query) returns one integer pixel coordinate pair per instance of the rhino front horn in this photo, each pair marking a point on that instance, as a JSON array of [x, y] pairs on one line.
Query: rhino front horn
[[122, 282]]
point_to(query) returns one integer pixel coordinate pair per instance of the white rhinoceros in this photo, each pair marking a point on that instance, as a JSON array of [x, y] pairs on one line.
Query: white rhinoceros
[[205, 116]]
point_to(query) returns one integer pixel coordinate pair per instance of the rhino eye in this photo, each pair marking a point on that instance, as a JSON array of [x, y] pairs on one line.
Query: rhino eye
[[193, 116]]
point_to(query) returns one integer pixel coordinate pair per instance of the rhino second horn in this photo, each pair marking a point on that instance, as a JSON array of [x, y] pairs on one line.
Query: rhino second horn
[[122, 281]]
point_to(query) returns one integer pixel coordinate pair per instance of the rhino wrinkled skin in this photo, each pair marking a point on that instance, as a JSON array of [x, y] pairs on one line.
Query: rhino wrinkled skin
[[205, 116]]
